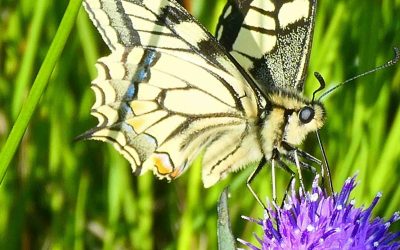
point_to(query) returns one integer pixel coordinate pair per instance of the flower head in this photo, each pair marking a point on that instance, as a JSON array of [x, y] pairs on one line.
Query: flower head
[[316, 221]]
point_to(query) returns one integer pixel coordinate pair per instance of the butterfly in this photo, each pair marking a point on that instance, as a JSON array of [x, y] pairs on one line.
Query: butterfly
[[170, 91]]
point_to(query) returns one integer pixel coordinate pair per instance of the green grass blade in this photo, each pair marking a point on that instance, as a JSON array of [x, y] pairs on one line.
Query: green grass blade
[[27, 64], [38, 87], [80, 218]]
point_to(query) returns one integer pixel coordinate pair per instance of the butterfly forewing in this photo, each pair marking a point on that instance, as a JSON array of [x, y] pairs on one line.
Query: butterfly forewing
[[270, 39], [162, 25]]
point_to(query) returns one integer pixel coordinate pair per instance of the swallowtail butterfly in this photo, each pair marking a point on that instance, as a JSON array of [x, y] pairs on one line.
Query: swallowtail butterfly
[[170, 91]]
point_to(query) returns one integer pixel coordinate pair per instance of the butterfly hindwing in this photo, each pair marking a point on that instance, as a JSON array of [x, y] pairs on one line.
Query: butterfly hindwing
[[270, 39]]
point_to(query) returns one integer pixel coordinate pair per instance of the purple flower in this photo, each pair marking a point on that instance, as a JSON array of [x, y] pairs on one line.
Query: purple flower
[[317, 221]]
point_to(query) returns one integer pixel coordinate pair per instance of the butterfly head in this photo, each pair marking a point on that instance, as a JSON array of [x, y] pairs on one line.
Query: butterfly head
[[290, 118], [300, 122]]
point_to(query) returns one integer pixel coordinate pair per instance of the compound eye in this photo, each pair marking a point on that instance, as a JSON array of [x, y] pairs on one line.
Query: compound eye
[[306, 114]]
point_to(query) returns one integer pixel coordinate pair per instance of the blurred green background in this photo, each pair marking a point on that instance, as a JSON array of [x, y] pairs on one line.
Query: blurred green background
[[60, 194]]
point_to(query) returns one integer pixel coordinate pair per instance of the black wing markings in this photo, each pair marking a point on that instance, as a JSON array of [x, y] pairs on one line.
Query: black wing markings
[[271, 69]]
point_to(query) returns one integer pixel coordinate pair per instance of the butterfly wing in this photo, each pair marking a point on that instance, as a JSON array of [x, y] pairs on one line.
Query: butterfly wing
[[162, 25], [270, 39], [161, 101]]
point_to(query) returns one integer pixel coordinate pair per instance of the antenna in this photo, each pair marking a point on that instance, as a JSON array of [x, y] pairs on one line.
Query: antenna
[[321, 84], [392, 62]]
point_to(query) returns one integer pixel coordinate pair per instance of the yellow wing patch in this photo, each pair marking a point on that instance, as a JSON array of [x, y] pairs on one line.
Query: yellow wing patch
[[142, 122], [142, 107]]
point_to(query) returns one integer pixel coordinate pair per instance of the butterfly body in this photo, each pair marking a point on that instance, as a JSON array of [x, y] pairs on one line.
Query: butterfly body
[[169, 91]]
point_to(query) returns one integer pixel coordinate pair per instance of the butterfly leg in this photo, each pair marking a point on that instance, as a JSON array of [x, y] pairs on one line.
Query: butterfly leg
[[276, 158], [307, 156], [325, 172], [291, 157], [292, 177], [257, 170], [296, 159], [273, 180], [251, 178]]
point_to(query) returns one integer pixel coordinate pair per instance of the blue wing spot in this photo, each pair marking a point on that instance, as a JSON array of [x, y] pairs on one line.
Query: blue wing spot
[[142, 75], [149, 59], [125, 111], [130, 93]]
